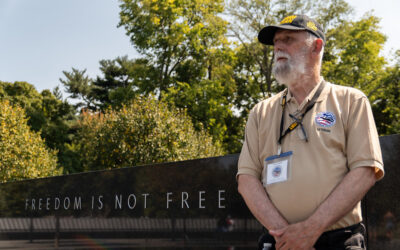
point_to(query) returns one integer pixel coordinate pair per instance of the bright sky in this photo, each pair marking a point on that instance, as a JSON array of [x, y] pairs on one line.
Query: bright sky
[[40, 39]]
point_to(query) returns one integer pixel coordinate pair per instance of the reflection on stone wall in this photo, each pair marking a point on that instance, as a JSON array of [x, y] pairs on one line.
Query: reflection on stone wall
[[120, 224]]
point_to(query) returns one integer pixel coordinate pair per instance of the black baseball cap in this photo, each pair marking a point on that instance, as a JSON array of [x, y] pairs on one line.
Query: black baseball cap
[[293, 22]]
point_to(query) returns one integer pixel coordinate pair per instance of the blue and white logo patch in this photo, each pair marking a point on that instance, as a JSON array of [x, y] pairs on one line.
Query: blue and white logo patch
[[325, 119], [276, 172]]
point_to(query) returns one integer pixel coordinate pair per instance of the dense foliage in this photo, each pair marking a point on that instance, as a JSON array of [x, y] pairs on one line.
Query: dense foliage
[[47, 114], [142, 132], [23, 153]]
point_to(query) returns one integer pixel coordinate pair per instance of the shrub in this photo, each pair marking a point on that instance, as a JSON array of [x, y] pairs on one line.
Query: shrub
[[23, 153], [143, 132]]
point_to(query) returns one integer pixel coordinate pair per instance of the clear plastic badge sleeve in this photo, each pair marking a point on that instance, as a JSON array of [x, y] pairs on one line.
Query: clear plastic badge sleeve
[[277, 168]]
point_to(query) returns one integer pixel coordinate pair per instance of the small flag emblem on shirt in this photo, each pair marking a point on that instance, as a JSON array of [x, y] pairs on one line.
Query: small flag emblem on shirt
[[325, 119]]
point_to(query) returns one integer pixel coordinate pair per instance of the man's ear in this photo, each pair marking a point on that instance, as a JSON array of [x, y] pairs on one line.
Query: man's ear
[[318, 44]]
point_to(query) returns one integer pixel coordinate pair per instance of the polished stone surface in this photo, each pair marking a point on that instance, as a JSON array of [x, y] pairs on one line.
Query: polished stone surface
[[190, 205], [382, 203], [187, 204]]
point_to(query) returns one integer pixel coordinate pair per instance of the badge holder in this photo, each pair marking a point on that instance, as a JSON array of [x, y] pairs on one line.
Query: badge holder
[[277, 168]]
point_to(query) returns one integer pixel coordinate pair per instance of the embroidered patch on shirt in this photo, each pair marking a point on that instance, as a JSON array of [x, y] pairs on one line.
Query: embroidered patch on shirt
[[325, 119]]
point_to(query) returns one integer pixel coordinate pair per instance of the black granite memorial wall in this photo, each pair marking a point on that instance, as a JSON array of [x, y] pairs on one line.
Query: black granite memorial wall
[[182, 205], [190, 204], [381, 205]]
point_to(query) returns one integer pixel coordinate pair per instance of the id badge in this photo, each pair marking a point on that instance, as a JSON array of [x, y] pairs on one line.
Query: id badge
[[277, 168]]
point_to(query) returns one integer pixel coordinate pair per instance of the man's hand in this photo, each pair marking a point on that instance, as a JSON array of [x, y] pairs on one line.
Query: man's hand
[[296, 236]]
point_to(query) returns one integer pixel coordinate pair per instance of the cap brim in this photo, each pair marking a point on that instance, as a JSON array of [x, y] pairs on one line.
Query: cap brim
[[266, 35]]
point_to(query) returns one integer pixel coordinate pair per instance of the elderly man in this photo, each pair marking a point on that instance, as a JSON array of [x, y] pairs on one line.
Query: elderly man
[[310, 152]]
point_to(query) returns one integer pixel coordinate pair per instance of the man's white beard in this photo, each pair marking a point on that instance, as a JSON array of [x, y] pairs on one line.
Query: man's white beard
[[288, 71]]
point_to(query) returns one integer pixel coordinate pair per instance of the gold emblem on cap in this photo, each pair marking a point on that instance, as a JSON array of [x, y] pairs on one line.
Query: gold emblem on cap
[[312, 26], [288, 19]]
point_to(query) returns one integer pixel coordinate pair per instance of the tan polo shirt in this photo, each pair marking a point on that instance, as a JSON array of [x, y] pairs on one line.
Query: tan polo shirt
[[341, 136]]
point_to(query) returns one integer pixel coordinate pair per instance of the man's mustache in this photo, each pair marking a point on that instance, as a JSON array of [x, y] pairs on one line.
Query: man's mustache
[[280, 55]]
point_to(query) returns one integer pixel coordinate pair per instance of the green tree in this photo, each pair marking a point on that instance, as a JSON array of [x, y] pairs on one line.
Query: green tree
[[357, 61], [185, 41], [49, 115], [187, 62], [171, 32], [386, 104], [80, 87], [23, 153], [145, 131], [209, 101], [121, 81]]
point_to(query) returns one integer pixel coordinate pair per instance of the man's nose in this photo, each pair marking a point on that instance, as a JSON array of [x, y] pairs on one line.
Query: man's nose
[[278, 46]]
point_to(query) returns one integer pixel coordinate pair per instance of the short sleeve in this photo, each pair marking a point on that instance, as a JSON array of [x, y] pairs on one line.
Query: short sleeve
[[362, 146], [249, 162]]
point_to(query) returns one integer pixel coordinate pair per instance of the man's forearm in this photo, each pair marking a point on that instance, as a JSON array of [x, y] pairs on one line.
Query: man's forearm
[[259, 203], [344, 197]]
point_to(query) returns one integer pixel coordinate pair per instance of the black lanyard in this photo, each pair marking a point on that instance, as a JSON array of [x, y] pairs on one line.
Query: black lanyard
[[298, 121]]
